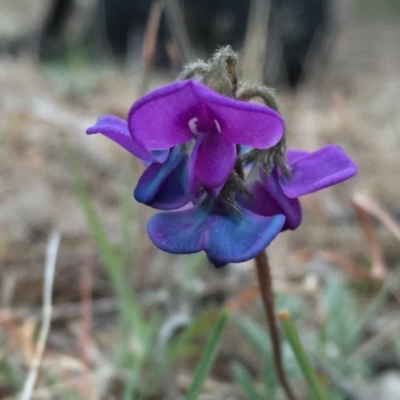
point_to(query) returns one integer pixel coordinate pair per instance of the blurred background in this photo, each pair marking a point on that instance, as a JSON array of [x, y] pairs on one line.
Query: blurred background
[[130, 322]]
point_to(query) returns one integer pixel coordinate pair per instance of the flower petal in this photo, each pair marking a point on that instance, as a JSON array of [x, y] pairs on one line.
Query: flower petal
[[293, 155], [194, 183], [268, 199], [179, 232], [116, 129], [318, 170], [242, 122], [216, 263], [165, 186], [234, 238], [160, 119], [213, 158], [223, 236]]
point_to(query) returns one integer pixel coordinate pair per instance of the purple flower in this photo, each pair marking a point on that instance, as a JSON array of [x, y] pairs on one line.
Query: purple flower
[[224, 235], [310, 172], [187, 135], [182, 111]]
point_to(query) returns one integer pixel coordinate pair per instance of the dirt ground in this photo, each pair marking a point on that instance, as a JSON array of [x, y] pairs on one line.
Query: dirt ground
[[352, 100]]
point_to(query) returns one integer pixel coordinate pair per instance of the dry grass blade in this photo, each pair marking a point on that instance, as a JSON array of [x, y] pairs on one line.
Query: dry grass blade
[[86, 287], [49, 268], [149, 44], [372, 207], [365, 207], [177, 26], [255, 46], [244, 298], [346, 264]]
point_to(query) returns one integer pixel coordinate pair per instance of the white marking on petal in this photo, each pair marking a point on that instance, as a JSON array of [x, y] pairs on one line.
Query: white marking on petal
[[193, 125], [217, 125]]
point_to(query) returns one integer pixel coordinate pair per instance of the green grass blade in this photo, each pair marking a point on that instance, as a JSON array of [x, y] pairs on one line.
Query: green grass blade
[[374, 307], [110, 258], [208, 357], [245, 382], [301, 357], [255, 334]]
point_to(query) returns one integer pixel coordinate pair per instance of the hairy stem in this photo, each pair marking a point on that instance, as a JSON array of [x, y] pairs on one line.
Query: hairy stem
[[267, 296]]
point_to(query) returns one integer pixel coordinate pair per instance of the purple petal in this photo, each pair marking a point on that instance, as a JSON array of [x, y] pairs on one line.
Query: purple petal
[[116, 129], [165, 186], [160, 119], [179, 232], [268, 199], [213, 158], [293, 155], [318, 170], [233, 238], [194, 183], [242, 122]]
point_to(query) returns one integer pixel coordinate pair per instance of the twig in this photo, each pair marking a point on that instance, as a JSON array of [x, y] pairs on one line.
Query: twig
[[49, 268], [267, 296]]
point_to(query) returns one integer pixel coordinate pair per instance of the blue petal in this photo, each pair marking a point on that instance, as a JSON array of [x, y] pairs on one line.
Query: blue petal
[[216, 263], [225, 237], [179, 232], [165, 186], [234, 238]]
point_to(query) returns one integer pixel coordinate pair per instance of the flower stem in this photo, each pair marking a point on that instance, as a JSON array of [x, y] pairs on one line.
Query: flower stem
[[267, 296]]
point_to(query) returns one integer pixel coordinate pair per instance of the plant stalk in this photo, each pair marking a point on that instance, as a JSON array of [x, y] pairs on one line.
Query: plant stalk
[[267, 296]]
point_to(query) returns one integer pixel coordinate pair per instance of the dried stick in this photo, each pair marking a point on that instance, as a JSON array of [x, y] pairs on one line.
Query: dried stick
[[49, 268], [149, 43], [267, 296]]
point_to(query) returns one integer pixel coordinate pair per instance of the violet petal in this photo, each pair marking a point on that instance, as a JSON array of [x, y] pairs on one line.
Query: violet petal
[[242, 122], [194, 183], [116, 129], [268, 199], [318, 170], [160, 119], [214, 159]]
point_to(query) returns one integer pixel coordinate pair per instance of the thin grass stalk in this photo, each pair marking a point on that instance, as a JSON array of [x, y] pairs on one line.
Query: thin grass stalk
[[208, 357], [301, 357]]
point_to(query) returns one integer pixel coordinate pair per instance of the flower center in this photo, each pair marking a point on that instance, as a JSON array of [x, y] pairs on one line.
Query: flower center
[[196, 130], [193, 126]]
